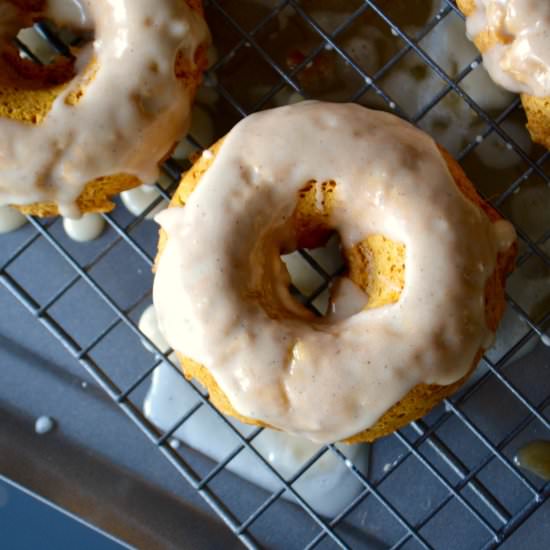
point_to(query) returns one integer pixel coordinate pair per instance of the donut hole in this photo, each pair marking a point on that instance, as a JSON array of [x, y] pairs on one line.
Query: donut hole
[[376, 265], [45, 43], [334, 282], [313, 273]]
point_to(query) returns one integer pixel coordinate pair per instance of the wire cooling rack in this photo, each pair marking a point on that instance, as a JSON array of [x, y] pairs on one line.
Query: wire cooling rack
[[451, 472]]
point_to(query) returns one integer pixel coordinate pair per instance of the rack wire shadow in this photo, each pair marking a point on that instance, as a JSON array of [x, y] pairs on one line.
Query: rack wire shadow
[[461, 478]]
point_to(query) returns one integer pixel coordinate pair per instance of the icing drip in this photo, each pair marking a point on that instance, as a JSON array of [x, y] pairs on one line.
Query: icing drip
[[87, 228]]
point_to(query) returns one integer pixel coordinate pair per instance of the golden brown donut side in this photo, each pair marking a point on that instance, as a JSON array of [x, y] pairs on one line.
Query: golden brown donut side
[[537, 109], [28, 91], [422, 398]]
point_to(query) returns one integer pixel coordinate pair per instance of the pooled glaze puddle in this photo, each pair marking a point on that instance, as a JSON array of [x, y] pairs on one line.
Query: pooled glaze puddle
[[328, 486], [535, 458]]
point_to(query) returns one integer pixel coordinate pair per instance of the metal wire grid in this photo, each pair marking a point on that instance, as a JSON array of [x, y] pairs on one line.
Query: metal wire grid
[[422, 441]]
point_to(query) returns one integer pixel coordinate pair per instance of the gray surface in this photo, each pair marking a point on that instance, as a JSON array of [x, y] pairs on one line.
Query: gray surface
[[52, 527]]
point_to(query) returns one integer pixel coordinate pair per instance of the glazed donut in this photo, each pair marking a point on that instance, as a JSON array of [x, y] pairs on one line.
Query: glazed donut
[[514, 38], [421, 300], [79, 131]]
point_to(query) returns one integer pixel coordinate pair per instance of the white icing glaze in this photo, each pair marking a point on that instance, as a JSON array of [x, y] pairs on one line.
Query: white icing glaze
[[225, 245], [139, 199], [326, 485], [132, 110], [148, 325], [520, 62], [44, 425], [10, 219], [87, 228]]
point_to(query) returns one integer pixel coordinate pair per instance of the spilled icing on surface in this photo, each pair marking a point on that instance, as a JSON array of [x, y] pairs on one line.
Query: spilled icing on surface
[[390, 180], [148, 325], [535, 457], [520, 61], [10, 219], [326, 486], [44, 425], [87, 228], [132, 111]]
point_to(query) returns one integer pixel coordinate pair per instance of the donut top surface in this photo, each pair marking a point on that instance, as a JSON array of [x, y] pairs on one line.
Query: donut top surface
[[120, 114], [325, 378], [519, 59]]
